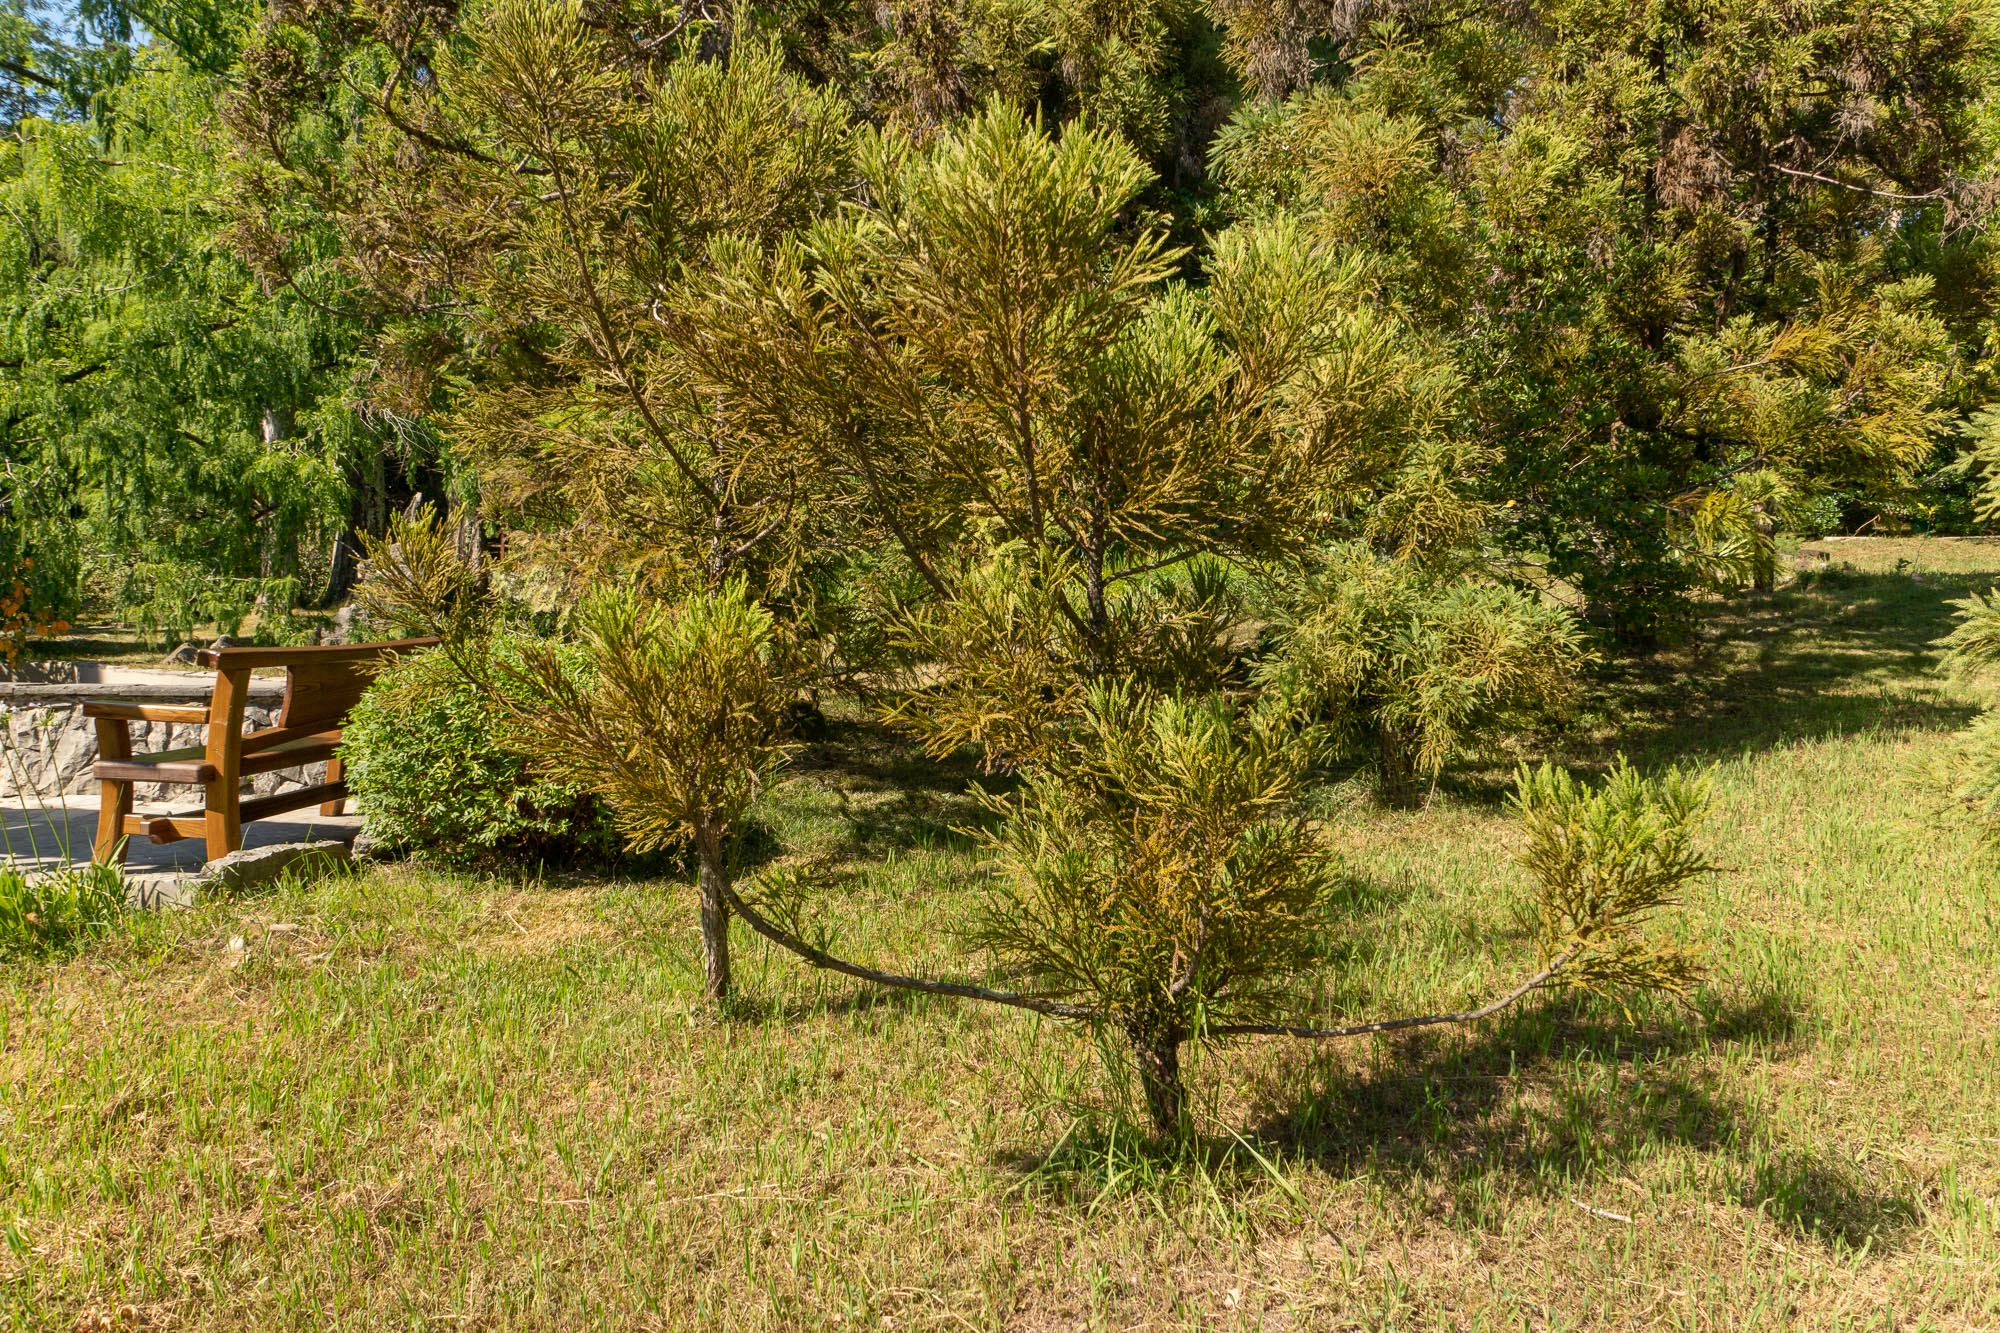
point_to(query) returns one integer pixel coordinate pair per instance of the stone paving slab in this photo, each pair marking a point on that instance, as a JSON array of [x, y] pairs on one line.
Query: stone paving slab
[[42, 835]]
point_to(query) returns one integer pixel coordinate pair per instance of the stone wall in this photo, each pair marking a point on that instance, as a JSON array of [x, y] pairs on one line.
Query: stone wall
[[48, 745]]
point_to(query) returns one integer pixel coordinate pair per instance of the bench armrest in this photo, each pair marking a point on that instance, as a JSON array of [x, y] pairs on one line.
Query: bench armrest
[[145, 712]]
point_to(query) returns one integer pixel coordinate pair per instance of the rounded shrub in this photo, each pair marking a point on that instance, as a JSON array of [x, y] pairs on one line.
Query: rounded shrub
[[429, 768]]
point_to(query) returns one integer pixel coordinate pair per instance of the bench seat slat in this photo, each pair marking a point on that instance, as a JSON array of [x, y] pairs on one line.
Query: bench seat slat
[[307, 749], [189, 766], [185, 766]]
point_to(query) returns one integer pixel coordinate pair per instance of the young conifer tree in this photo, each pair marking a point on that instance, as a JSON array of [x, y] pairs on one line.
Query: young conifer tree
[[1972, 652], [677, 722], [1164, 887]]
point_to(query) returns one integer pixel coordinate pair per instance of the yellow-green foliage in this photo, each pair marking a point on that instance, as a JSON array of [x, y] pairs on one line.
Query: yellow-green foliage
[[677, 721], [1417, 663], [1972, 649], [1973, 646], [1605, 862], [1167, 879]]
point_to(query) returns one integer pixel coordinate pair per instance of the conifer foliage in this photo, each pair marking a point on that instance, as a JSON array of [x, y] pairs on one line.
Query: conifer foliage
[[1160, 401]]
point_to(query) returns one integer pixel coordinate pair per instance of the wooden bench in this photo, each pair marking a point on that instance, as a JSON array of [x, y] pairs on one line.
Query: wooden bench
[[321, 685]]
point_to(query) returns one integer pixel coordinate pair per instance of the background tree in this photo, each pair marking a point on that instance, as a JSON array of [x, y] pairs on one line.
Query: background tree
[[160, 411], [521, 206], [1668, 249], [1414, 662]]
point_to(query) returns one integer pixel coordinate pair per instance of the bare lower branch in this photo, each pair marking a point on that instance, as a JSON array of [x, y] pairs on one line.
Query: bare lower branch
[[1925, 197], [1534, 983], [784, 939]]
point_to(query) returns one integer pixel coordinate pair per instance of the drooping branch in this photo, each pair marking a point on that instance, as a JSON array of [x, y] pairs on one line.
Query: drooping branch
[[817, 957], [1542, 978], [784, 939]]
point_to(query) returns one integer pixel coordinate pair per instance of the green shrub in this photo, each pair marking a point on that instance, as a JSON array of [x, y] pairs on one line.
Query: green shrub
[[46, 912], [430, 769]]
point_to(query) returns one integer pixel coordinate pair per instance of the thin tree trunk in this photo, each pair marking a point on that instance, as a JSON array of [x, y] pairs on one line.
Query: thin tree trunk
[[468, 537], [1764, 562], [714, 883], [1399, 779], [1159, 1059]]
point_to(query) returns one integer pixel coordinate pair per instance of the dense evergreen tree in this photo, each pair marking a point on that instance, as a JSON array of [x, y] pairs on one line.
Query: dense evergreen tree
[[1671, 248]]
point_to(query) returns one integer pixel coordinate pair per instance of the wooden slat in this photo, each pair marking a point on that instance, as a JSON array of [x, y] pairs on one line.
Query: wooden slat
[[198, 687], [190, 766], [222, 830], [183, 767], [310, 749], [145, 712], [285, 657], [114, 799], [321, 696], [263, 807], [263, 740], [165, 828]]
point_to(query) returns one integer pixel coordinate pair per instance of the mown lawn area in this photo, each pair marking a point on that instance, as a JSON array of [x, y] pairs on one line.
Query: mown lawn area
[[410, 1100]]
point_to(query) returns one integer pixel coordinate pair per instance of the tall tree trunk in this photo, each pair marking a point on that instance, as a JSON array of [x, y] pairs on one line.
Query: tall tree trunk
[[713, 879], [1158, 1056], [341, 568]]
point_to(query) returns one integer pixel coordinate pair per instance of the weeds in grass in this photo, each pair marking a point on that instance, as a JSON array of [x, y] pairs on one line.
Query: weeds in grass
[[43, 912], [48, 905]]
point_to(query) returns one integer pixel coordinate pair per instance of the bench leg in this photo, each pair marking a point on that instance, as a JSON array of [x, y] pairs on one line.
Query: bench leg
[[335, 771], [114, 802], [114, 799], [223, 819]]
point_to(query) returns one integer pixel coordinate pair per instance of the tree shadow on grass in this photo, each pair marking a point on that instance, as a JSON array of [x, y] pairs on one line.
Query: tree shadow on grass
[[1838, 654], [1562, 1091], [885, 795], [834, 1001]]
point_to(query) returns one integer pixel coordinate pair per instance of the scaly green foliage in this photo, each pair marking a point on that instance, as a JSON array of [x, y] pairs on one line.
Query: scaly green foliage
[[1973, 645], [1972, 650]]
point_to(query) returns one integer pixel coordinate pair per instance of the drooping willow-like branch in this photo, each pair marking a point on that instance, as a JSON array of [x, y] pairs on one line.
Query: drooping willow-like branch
[[791, 943], [1542, 978]]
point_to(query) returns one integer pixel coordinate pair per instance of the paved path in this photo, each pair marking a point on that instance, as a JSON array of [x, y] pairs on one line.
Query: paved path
[[46, 835]]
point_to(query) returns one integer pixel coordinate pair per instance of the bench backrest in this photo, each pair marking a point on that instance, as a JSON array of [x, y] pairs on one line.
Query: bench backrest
[[321, 684]]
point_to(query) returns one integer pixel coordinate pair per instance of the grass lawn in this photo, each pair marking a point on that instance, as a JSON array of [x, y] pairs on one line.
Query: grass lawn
[[410, 1100]]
